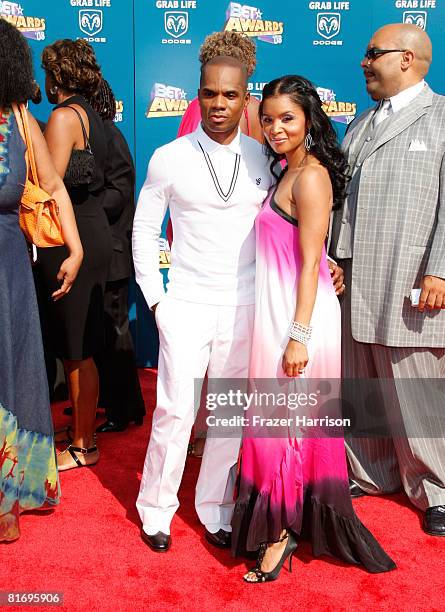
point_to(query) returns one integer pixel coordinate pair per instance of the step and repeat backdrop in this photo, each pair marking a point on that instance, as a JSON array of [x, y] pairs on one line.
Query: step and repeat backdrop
[[148, 51]]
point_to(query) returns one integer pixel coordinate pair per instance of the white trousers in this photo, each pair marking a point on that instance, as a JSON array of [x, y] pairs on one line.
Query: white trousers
[[193, 339]]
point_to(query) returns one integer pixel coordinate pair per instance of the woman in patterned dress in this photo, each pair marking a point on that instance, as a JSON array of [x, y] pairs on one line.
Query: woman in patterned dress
[[28, 470]]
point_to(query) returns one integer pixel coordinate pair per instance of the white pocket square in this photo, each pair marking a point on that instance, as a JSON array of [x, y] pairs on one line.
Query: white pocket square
[[417, 145]]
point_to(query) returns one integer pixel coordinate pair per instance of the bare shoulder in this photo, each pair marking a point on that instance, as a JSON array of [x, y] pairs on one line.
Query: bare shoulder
[[32, 121], [36, 132], [312, 179], [313, 173], [63, 118]]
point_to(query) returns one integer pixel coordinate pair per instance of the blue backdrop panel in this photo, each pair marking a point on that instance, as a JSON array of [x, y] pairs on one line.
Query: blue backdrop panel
[[107, 24], [323, 41], [149, 50]]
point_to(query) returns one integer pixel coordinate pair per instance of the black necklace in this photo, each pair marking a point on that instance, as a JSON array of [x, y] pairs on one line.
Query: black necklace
[[222, 195]]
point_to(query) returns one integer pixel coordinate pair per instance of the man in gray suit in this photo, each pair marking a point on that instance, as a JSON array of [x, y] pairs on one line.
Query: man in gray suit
[[390, 238]]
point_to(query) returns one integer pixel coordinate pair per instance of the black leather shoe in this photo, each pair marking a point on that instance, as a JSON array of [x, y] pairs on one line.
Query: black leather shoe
[[220, 539], [111, 426], [355, 490], [434, 521], [159, 542]]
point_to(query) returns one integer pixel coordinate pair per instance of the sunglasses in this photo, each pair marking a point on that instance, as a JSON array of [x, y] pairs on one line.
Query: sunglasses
[[373, 53]]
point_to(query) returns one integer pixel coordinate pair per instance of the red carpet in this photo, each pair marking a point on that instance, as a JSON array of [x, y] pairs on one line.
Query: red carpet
[[90, 549]]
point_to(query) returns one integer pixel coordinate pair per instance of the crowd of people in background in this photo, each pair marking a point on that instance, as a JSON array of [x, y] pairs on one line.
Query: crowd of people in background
[[292, 258], [89, 328]]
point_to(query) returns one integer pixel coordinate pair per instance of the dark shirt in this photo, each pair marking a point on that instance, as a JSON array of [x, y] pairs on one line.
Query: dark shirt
[[119, 202]]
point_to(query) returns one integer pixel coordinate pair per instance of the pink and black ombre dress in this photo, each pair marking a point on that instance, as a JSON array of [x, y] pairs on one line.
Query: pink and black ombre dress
[[297, 482]]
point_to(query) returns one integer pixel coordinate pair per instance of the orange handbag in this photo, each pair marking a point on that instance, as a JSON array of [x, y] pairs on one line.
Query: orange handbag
[[39, 212]]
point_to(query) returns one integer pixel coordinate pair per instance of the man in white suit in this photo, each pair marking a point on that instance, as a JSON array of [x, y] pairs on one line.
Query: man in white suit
[[213, 181], [390, 238]]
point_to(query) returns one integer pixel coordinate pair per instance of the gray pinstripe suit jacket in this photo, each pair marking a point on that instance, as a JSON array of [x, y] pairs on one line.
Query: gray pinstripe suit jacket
[[393, 222]]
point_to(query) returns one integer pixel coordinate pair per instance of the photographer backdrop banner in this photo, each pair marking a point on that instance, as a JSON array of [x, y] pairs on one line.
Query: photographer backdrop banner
[[148, 51]]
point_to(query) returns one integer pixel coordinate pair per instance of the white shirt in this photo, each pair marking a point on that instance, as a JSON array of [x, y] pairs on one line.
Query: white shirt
[[405, 97], [389, 106], [213, 251]]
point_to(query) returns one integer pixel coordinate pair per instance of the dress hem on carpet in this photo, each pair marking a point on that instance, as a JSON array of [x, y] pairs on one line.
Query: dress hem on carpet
[[28, 470], [260, 517]]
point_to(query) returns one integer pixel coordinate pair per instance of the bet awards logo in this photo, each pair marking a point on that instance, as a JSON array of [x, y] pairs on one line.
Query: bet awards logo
[[90, 22], [176, 23], [417, 18], [119, 116], [167, 101], [328, 24], [31, 27], [248, 20], [341, 112], [164, 253]]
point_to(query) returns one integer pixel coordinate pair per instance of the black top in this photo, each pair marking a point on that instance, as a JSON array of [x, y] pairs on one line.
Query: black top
[[76, 322], [274, 206], [98, 146], [118, 201]]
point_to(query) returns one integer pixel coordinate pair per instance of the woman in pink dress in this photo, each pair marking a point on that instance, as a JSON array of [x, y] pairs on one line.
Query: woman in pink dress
[[295, 485]]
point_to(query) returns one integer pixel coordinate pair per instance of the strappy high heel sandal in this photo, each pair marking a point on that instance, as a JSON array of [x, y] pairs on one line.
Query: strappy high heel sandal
[[76, 461], [257, 575]]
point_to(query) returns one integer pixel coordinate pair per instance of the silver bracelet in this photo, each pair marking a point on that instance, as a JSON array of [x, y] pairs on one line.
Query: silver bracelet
[[301, 333]]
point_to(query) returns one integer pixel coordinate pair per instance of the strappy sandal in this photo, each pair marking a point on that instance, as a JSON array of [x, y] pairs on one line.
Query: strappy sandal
[[73, 450], [256, 575]]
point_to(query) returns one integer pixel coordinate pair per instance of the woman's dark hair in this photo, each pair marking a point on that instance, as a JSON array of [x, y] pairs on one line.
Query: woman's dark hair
[[16, 71], [37, 96], [325, 144], [72, 65], [103, 101]]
